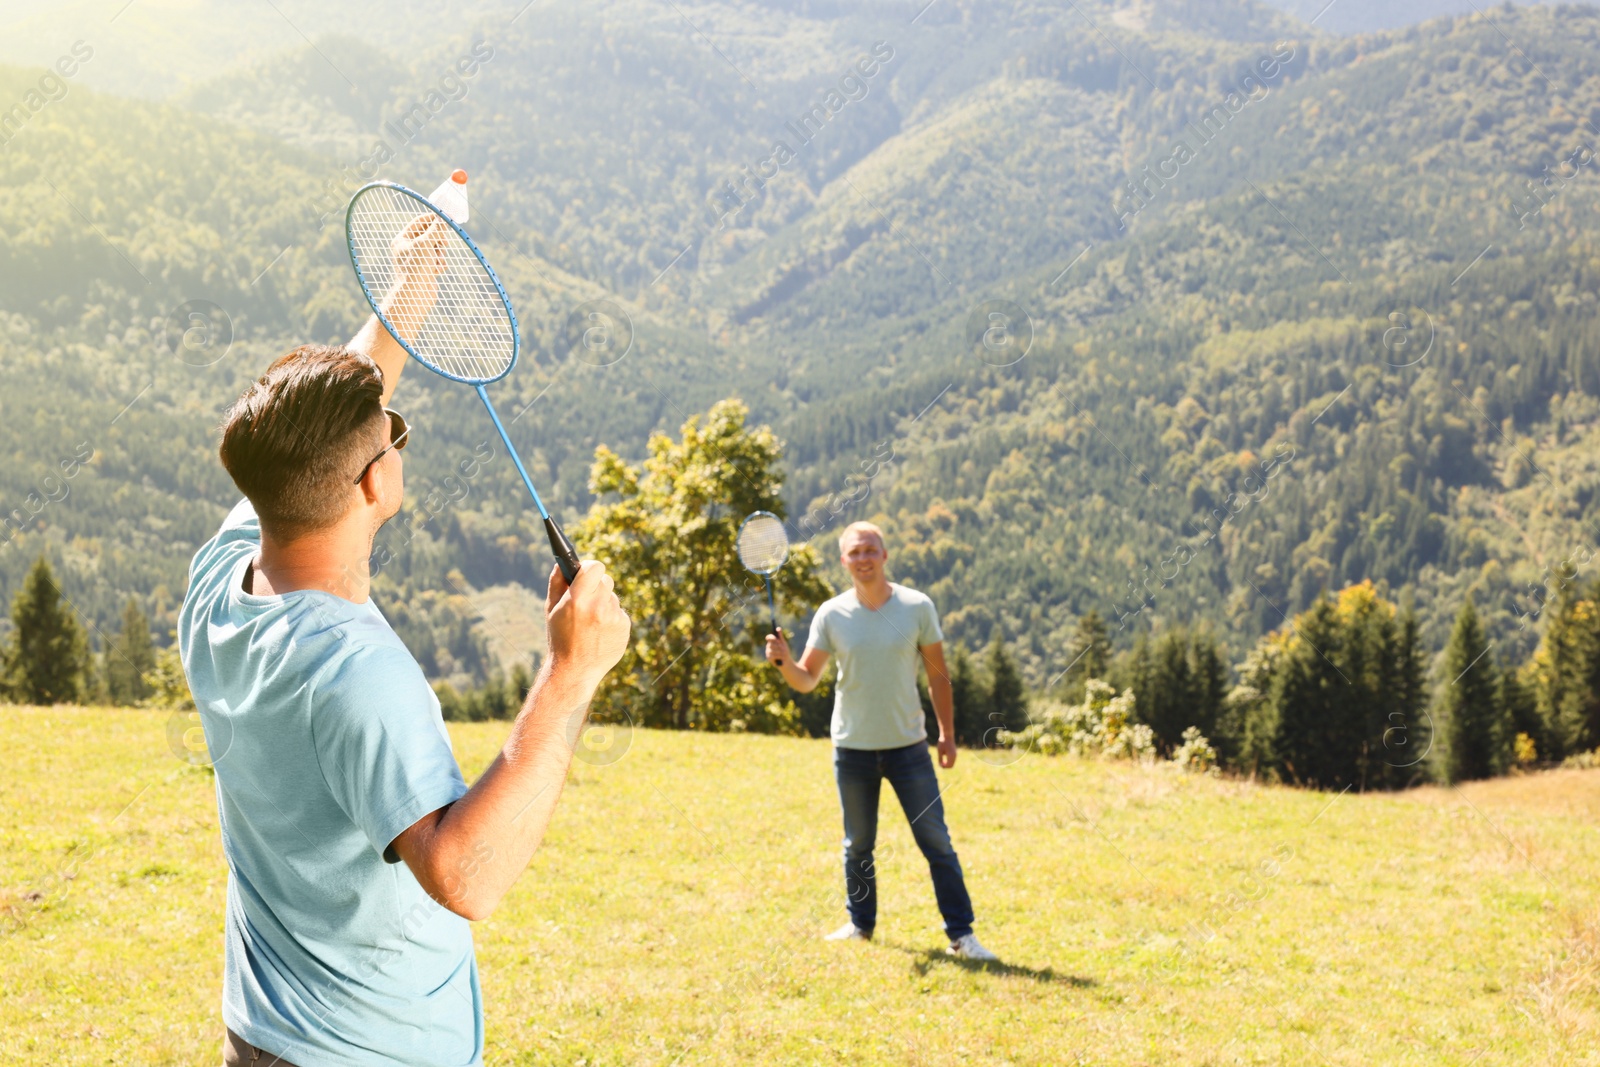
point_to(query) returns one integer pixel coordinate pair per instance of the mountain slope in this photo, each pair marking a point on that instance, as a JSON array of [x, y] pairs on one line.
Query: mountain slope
[[1342, 299]]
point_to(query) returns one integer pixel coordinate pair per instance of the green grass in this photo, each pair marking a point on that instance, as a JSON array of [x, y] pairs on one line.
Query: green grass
[[673, 915]]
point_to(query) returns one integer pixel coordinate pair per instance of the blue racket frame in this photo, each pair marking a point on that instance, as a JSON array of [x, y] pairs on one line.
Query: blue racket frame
[[366, 290], [566, 554]]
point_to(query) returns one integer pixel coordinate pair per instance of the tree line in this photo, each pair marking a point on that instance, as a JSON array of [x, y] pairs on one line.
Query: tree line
[[1340, 696], [48, 658]]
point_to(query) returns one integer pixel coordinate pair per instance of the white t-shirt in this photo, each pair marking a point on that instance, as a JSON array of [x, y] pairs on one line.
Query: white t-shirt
[[875, 704]]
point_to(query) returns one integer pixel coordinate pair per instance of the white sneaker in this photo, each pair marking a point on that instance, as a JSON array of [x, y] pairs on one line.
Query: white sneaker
[[968, 948], [850, 932]]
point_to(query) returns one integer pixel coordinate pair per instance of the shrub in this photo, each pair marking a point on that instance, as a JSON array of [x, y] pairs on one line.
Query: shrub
[[1583, 761], [168, 686], [1195, 753], [1102, 726]]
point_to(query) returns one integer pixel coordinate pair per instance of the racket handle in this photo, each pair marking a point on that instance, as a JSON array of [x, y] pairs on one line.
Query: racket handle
[[566, 555], [773, 607]]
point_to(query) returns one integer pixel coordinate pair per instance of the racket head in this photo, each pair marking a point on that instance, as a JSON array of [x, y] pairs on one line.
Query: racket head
[[470, 334], [763, 542]]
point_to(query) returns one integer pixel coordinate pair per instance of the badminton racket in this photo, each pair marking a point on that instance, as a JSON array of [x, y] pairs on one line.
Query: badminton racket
[[763, 546], [470, 333]]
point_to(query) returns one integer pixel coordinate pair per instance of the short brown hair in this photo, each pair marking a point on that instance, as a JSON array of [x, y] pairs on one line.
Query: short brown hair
[[295, 440]]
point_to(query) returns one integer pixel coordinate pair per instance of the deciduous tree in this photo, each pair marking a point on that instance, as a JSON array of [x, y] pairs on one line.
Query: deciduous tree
[[667, 532]]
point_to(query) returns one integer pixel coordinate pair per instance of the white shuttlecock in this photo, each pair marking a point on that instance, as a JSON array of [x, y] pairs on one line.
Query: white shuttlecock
[[451, 197]]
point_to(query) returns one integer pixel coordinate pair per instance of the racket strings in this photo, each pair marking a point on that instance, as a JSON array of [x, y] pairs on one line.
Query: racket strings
[[467, 331], [763, 544]]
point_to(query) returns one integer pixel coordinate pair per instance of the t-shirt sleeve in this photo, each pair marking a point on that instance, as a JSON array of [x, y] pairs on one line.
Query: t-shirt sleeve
[[818, 637], [928, 632], [218, 555], [242, 516], [382, 744]]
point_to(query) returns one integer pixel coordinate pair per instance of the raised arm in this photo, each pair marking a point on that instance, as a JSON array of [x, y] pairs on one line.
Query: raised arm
[[468, 854], [419, 261]]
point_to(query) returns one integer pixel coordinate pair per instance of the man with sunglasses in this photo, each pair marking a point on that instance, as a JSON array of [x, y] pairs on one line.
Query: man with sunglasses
[[356, 853], [398, 433]]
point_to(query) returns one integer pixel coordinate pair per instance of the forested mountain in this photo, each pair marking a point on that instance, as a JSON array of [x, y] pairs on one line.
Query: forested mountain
[[1285, 310], [1366, 16]]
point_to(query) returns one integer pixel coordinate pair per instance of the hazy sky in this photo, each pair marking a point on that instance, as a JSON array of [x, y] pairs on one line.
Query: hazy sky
[[155, 48]]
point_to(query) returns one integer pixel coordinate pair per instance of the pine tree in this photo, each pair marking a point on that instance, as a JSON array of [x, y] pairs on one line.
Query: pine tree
[[1583, 703], [1371, 709], [48, 660], [971, 702], [968, 694], [1566, 703], [1317, 743], [1088, 656], [1404, 734], [1008, 702], [97, 686], [520, 683], [1208, 673], [1470, 705], [129, 658], [1163, 687]]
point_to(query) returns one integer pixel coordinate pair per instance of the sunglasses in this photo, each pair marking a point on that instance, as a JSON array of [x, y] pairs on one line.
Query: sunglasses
[[398, 433]]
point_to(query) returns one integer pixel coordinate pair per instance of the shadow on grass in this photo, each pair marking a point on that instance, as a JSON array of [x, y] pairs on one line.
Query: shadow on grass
[[925, 961]]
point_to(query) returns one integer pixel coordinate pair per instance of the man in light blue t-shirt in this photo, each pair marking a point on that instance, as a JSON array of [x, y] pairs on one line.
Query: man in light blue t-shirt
[[880, 632], [356, 852]]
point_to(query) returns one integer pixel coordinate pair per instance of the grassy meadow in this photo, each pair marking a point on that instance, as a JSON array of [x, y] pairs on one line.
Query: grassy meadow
[[675, 911]]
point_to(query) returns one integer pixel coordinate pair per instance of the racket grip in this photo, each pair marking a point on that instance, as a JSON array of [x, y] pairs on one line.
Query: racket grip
[[566, 555]]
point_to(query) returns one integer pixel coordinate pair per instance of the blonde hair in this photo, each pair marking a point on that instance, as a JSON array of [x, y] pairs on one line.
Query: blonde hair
[[863, 527]]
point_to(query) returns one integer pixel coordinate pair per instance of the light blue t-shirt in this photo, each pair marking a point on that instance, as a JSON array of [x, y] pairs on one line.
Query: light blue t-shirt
[[875, 702], [327, 743]]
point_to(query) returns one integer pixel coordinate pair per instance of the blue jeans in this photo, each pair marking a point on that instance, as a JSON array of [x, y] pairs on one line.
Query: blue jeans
[[860, 774]]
